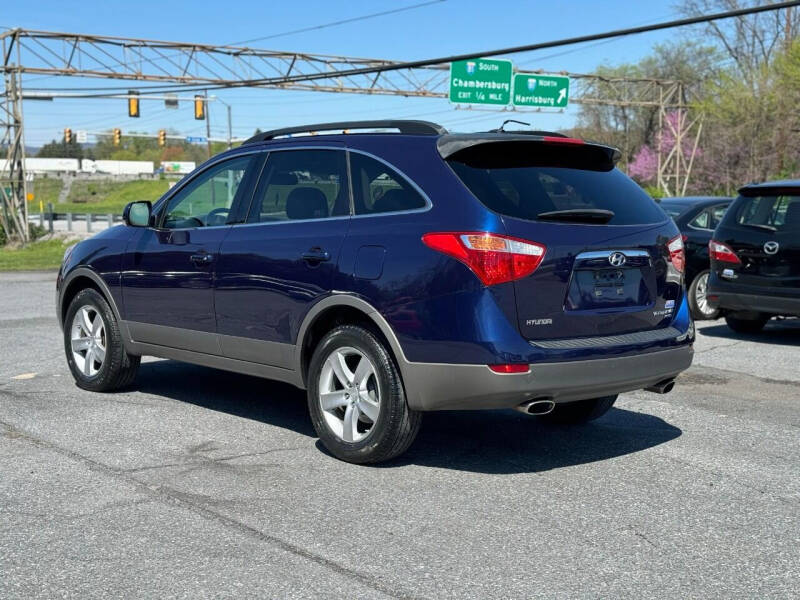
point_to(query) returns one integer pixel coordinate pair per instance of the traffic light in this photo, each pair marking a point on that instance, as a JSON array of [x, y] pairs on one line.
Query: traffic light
[[199, 107], [67, 135], [116, 136], [162, 137], [133, 104]]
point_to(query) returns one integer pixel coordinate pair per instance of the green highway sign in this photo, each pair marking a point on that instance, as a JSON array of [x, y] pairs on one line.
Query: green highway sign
[[481, 81], [541, 91]]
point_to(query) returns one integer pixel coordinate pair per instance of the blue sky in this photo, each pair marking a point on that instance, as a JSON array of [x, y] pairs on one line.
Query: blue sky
[[448, 27]]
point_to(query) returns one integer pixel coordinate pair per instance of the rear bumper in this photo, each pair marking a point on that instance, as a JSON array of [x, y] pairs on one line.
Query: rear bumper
[[774, 305], [436, 386], [728, 297]]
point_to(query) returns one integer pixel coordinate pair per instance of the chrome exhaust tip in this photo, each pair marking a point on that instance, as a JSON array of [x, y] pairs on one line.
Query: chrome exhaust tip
[[537, 406], [662, 387]]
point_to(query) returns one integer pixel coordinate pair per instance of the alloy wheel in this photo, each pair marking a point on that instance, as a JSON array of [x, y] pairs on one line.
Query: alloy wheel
[[88, 340], [701, 296], [349, 394]]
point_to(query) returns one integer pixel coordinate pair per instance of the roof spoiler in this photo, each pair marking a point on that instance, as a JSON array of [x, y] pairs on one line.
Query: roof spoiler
[[450, 145], [407, 127]]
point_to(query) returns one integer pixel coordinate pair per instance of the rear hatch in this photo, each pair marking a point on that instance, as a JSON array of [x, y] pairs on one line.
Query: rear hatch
[[763, 231], [607, 268]]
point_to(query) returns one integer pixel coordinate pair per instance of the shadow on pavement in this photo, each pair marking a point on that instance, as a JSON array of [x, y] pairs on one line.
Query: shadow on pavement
[[271, 402], [502, 442], [783, 332], [499, 441]]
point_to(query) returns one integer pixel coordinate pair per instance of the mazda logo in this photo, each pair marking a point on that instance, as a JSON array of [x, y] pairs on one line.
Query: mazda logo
[[771, 247], [617, 259]]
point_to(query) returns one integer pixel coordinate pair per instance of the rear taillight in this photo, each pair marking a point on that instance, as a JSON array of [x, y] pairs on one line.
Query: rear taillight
[[722, 252], [676, 254], [492, 257]]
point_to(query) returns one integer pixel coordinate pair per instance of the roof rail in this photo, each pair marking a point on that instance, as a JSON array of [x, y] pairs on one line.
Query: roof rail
[[404, 126]]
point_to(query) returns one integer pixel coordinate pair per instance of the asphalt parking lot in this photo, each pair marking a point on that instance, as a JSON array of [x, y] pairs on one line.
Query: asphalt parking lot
[[198, 483]]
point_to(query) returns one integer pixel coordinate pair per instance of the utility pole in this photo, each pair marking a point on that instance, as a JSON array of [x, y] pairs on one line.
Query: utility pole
[[13, 182], [208, 122], [230, 136], [230, 129]]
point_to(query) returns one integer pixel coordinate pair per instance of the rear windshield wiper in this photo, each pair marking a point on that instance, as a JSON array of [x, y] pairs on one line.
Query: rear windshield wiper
[[578, 215], [760, 226]]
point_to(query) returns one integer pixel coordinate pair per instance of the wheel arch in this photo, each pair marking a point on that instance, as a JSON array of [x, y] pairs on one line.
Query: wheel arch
[[80, 279], [339, 309]]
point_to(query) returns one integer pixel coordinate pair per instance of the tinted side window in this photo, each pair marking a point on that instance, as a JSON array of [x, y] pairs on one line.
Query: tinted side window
[[717, 212], [702, 220], [301, 184], [208, 199], [377, 188]]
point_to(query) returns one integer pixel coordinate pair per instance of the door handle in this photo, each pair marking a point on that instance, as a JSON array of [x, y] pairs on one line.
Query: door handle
[[315, 255], [201, 259]]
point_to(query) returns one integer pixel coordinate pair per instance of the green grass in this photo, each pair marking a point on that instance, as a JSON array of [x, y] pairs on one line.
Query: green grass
[[44, 254], [44, 191], [103, 197]]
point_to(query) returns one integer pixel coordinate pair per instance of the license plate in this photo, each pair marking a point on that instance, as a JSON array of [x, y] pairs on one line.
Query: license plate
[[606, 288]]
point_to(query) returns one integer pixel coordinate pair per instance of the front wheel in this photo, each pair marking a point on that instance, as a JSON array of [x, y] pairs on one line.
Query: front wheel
[[753, 325], [93, 343], [356, 398], [698, 298], [581, 411]]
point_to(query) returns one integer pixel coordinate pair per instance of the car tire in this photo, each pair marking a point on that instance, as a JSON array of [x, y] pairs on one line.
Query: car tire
[[93, 343], [366, 418], [698, 300], [742, 325], [581, 411]]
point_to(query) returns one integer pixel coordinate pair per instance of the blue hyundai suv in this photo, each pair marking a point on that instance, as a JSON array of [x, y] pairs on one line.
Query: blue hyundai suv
[[390, 268]]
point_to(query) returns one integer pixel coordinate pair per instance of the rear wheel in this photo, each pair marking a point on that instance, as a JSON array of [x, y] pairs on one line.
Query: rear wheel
[[581, 411], [698, 298], [747, 324], [93, 343], [356, 398]]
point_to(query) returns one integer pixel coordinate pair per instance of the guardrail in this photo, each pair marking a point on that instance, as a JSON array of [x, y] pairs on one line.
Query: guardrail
[[70, 218]]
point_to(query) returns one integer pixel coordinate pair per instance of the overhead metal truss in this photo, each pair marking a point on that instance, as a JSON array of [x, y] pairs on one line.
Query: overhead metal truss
[[163, 64]]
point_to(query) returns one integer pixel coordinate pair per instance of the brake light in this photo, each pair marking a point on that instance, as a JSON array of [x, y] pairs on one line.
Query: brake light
[[492, 257], [722, 252], [676, 254], [552, 139], [509, 368]]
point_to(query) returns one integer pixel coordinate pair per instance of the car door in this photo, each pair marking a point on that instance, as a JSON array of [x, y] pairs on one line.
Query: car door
[[168, 270], [273, 268]]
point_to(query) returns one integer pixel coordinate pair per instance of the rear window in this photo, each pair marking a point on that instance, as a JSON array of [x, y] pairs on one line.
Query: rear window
[[776, 213], [523, 181]]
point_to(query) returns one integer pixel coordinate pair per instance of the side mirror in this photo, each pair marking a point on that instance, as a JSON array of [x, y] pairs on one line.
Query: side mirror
[[137, 214]]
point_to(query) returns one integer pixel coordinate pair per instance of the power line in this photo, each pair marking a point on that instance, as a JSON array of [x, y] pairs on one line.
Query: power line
[[336, 23], [286, 33], [472, 55], [524, 48]]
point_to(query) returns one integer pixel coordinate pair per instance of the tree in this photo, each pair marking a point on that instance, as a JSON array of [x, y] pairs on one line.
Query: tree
[[751, 41], [60, 149], [629, 128]]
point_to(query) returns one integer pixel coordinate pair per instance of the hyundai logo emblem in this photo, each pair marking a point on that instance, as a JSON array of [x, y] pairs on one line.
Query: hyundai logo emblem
[[771, 247], [617, 259]]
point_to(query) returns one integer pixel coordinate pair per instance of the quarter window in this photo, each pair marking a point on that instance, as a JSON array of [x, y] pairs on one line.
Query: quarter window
[[208, 199], [701, 221], [377, 188], [301, 184]]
